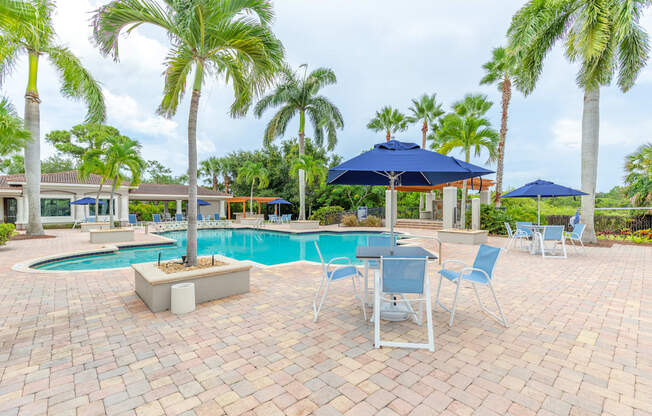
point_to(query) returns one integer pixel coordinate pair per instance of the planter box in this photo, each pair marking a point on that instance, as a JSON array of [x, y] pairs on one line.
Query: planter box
[[87, 226], [239, 217], [115, 235], [304, 225], [153, 285], [473, 237]]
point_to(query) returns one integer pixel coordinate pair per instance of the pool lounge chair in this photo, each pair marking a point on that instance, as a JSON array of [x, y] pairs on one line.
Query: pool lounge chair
[[87, 219], [576, 236], [402, 276], [133, 221]]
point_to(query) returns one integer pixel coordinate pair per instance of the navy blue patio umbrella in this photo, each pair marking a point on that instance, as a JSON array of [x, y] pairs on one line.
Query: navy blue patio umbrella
[[396, 163], [86, 201], [278, 202], [539, 189], [202, 203]]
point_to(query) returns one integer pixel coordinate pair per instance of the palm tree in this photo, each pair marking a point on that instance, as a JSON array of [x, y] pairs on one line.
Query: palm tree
[[425, 110], [211, 168], [474, 105], [604, 38], [231, 40], [121, 153], [314, 169], [501, 70], [251, 172], [638, 166], [13, 136], [467, 133], [388, 120], [297, 94], [29, 30]]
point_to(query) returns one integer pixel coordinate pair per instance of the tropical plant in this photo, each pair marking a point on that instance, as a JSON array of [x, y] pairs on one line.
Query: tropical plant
[[27, 28], [388, 120], [314, 169], [6, 232], [473, 105], [467, 133], [81, 138], [211, 168], [231, 40], [500, 71], [297, 94], [251, 172], [13, 136], [638, 166], [605, 38]]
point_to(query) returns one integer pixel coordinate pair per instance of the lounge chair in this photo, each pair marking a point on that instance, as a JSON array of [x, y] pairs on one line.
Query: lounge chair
[[553, 234], [156, 218], [402, 276], [339, 272], [133, 221], [481, 273], [576, 236], [519, 235]]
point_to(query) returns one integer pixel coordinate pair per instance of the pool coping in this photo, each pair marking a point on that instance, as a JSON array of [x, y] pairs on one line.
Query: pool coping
[[27, 265]]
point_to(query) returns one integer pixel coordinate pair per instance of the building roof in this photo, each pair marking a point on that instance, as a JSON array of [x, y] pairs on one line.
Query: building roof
[[66, 177], [164, 189]]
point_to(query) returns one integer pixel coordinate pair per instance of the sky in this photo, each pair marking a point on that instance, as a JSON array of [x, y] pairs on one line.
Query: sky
[[383, 53]]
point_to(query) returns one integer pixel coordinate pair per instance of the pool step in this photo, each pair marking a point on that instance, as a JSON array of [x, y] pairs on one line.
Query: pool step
[[420, 224]]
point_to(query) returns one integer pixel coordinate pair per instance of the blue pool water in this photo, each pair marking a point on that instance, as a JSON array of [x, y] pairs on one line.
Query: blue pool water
[[265, 247]]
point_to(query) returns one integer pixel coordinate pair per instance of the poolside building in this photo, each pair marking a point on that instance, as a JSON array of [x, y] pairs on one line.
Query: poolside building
[[61, 188]]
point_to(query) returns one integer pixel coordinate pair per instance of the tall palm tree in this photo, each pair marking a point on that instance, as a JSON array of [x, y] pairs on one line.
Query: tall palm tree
[[638, 167], [605, 38], [425, 110], [315, 171], [230, 40], [501, 70], [298, 94], [13, 136], [466, 133], [388, 120], [211, 168], [30, 31], [122, 154], [251, 172]]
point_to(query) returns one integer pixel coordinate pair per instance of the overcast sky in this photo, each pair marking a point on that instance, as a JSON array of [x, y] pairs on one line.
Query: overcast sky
[[384, 53]]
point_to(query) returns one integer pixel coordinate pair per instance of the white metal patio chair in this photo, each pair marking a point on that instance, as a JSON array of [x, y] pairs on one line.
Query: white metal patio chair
[[338, 272], [576, 236], [481, 273], [513, 236], [550, 239], [402, 276]]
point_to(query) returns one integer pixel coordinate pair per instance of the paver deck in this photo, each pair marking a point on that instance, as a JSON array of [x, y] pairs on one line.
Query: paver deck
[[83, 343]]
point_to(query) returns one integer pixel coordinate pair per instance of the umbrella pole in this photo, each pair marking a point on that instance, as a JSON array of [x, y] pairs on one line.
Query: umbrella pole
[[392, 179], [538, 209]]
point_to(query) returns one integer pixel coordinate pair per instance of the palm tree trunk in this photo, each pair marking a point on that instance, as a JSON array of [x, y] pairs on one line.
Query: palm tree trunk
[[33, 150], [111, 203], [590, 146], [227, 182], [97, 200], [214, 182], [191, 234], [251, 199], [388, 137], [302, 173], [424, 132], [507, 96], [464, 192]]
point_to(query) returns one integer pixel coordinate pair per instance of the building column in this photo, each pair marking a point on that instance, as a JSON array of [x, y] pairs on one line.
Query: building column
[[475, 214], [179, 207], [222, 210], [21, 218], [78, 210], [124, 210], [449, 203], [2, 210], [388, 194], [485, 197]]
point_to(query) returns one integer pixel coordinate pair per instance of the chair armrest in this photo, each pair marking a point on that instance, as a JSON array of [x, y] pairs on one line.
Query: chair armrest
[[348, 260], [461, 263], [467, 271]]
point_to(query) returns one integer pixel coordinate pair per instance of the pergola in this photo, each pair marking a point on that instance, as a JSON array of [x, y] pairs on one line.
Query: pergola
[[475, 183], [244, 200]]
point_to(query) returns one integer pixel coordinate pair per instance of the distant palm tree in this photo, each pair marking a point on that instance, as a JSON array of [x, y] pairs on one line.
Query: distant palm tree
[[211, 168], [122, 154], [251, 172], [474, 105], [93, 163], [467, 133], [27, 28], [229, 40], [389, 121], [13, 136], [501, 70], [605, 38], [315, 170], [297, 94], [638, 166]]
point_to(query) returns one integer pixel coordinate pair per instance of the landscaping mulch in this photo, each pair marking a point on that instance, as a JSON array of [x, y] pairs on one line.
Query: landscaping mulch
[[18, 237], [175, 266]]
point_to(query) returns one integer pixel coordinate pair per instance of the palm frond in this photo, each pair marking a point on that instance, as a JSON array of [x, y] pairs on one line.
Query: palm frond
[[179, 63]]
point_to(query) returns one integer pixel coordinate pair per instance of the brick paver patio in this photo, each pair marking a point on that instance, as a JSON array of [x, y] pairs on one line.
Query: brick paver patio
[[579, 342]]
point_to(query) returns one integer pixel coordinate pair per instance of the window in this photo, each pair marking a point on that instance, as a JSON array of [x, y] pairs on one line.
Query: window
[[104, 208], [51, 207]]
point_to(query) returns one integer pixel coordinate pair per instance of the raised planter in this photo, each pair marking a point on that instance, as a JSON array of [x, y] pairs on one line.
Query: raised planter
[[101, 225], [249, 221], [304, 225], [473, 237], [114, 235], [153, 285], [239, 217]]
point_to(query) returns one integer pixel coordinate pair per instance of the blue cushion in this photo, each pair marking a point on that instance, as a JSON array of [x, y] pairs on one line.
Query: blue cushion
[[342, 272], [475, 276]]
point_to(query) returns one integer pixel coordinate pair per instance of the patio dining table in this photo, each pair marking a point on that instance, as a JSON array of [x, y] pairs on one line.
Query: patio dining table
[[537, 233], [370, 253]]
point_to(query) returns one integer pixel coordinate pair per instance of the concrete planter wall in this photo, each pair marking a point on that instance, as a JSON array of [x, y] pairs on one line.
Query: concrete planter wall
[[153, 285], [239, 216], [473, 237], [87, 226], [304, 225], [115, 235]]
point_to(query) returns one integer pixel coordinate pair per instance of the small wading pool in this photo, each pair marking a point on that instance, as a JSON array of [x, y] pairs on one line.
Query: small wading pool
[[265, 247]]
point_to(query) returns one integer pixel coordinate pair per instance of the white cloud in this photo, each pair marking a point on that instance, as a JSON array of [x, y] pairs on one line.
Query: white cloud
[[124, 111]]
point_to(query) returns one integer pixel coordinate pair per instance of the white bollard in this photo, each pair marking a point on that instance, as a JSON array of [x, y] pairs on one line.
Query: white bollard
[[183, 298]]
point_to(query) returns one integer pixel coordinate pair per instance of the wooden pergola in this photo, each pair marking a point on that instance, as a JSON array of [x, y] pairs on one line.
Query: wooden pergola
[[244, 200], [475, 183]]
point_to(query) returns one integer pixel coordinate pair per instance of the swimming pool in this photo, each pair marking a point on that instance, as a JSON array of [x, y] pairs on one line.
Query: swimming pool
[[265, 247]]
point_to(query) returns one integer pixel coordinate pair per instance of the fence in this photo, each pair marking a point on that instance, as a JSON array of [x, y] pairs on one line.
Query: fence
[[609, 223]]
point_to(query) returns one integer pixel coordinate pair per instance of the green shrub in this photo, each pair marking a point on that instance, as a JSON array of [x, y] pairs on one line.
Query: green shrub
[[327, 215], [371, 221], [144, 211], [492, 219], [6, 232], [350, 220]]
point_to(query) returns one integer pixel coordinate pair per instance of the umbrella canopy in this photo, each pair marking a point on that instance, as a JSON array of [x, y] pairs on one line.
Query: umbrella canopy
[[539, 189], [396, 163], [87, 201], [279, 201], [201, 202]]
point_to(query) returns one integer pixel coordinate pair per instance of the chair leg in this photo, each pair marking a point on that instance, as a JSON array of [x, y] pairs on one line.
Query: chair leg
[[434, 308], [431, 333], [563, 248], [457, 291], [500, 310], [321, 302], [582, 244], [377, 310], [355, 292]]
